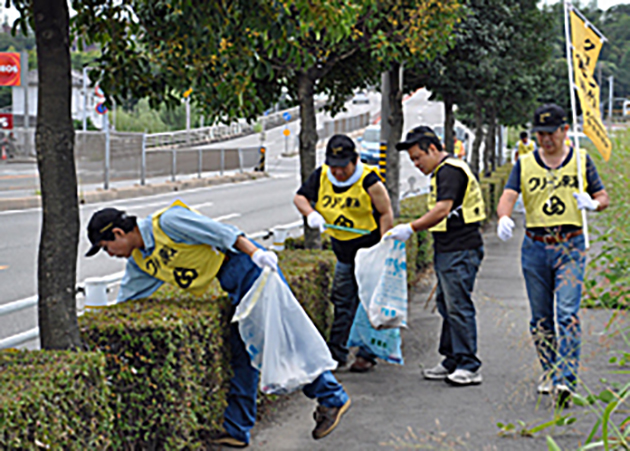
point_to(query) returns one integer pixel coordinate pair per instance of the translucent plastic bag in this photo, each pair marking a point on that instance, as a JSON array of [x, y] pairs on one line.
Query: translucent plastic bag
[[384, 343], [381, 273], [282, 341]]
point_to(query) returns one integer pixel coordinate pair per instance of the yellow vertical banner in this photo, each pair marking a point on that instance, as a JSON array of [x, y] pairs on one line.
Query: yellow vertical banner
[[586, 47]]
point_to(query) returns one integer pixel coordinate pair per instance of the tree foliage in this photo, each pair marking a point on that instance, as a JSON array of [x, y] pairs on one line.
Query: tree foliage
[[238, 55]]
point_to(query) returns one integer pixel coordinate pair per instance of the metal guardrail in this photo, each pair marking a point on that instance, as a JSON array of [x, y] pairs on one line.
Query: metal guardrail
[[219, 132]]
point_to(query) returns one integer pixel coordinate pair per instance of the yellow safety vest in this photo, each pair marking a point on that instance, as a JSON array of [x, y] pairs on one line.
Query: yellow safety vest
[[352, 208], [524, 149], [188, 266], [548, 193], [473, 208]]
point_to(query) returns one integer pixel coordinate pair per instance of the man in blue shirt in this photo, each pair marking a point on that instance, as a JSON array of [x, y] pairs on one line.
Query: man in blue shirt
[[553, 251], [182, 247]]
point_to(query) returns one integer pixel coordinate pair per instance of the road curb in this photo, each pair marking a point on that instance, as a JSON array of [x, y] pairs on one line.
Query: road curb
[[102, 195]]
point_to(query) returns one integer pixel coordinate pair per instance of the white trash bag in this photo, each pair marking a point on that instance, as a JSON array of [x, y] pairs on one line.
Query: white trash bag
[[280, 338], [381, 273]]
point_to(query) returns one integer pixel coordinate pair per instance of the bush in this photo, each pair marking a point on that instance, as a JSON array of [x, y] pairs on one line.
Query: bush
[[167, 369], [55, 399]]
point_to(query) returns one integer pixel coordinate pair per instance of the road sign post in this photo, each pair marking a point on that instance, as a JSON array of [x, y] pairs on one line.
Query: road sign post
[[286, 134], [6, 121]]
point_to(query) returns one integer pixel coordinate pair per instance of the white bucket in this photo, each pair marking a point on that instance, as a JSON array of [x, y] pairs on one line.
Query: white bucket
[[95, 293], [279, 235]]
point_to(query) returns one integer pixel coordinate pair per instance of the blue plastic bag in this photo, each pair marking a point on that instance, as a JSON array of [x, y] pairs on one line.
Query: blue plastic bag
[[384, 343]]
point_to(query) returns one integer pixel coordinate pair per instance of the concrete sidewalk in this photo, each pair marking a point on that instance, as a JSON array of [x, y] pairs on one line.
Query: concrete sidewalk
[[394, 408]]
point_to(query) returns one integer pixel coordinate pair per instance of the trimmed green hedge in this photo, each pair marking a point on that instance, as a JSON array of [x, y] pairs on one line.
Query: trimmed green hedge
[[55, 399], [166, 367]]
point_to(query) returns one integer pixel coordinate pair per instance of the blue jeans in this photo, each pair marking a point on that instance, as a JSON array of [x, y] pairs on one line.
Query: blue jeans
[[345, 298], [456, 273], [555, 272], [236, 276]]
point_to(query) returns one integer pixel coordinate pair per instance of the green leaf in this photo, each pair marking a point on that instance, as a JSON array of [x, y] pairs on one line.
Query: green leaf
[[606, 396], [552, 445]]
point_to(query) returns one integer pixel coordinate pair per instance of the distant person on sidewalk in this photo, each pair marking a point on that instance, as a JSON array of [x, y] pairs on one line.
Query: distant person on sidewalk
[[553, 253], [179, 246], [524, 146], [456, 209], [345, 192]]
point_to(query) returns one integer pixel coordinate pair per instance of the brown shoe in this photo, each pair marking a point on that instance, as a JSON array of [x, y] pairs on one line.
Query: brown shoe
[[362, 365], [327, 419]]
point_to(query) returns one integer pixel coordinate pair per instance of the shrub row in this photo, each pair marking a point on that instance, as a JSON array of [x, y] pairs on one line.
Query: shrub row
[[54, 399]]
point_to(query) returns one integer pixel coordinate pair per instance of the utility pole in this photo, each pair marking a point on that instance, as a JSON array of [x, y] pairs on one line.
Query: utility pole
[[27, 134], [85, 96], [611, 82]]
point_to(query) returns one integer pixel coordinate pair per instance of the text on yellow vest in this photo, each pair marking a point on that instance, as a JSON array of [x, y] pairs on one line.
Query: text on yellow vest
[[548, 193], [473, 208], [352, 208], [188, 266]]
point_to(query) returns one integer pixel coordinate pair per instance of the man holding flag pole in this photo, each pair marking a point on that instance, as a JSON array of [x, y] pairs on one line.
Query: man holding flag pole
[[559, 183]]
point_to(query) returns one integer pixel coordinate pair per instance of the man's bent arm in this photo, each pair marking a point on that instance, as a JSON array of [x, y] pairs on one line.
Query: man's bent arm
[[433, 216], [380, 199], [303, 205], [506, 203]]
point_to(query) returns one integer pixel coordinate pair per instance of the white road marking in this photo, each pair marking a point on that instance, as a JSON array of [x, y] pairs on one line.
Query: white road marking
[[225, 217], [205, 204]]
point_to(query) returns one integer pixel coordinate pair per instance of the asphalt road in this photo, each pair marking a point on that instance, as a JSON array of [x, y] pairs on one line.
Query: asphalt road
[[252, 206]]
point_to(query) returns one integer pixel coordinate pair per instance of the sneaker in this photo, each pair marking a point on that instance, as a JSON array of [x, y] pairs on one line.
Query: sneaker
[[545, 383], [225, 439], [342, 367], [327, 419], [362, 365], [438, 372], [462, 377], [564, 395]]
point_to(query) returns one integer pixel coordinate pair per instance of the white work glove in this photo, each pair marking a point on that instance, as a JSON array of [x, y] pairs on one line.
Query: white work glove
[[505, 227], [586, 202], [401, 232], [316, 221], [264, 258]]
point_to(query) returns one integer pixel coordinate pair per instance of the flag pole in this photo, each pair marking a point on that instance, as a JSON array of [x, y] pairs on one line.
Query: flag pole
[[567, 4]]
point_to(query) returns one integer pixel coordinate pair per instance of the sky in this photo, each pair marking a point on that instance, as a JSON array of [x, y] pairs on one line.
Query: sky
[[12, 13]]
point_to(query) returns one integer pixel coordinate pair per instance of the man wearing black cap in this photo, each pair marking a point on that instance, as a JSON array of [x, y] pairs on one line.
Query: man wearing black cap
[[456, 208], [344, 192], [553, 251], [180, 246]]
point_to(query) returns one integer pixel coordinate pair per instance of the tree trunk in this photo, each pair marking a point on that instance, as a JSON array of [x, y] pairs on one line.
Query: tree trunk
[[491, 136], [449, 124], [395, 121], [54, 140], [308, 144], [474, 158]]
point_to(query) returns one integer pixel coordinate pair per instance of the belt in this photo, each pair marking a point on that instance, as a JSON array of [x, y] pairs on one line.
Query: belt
[[554, 239]]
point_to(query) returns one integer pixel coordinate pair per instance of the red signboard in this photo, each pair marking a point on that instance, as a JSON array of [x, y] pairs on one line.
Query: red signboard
[[6, 121], [9, 69]]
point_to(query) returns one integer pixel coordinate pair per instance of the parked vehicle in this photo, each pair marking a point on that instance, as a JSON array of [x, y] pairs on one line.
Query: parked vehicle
[[370, 144], [361, 97]]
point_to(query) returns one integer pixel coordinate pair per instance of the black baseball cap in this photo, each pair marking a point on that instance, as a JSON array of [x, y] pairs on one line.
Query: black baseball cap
[[340, 151], [548, 118], [101, 225], [418, 134]]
